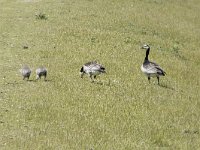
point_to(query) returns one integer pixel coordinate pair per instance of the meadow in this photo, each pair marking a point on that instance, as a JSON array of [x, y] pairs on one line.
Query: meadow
[[120, 110]]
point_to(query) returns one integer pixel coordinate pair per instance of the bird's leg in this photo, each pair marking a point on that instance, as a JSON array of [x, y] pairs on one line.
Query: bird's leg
[[82, 75], [149, 79], [37, 77], [45, 76], [91, 78], [158, 80]]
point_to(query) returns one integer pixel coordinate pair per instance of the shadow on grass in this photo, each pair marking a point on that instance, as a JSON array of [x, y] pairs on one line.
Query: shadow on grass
[[166, 86], [48, 80], [102, 83], [30, 80], [41, 80], [13, 83], [16, 83]]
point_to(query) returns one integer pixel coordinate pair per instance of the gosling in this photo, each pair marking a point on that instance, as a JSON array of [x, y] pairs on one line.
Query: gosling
[[26, 72], [41, 71]]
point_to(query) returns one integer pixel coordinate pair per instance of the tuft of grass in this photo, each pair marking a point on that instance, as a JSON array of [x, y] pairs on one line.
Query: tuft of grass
[[41, 16]]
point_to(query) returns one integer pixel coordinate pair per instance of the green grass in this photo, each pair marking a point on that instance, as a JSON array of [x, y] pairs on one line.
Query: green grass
[[119, 111]]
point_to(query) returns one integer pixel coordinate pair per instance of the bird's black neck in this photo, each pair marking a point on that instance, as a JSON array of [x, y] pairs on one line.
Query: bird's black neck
[[147, 54]]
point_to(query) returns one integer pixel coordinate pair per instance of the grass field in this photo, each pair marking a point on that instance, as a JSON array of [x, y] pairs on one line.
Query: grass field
[[121, 110]]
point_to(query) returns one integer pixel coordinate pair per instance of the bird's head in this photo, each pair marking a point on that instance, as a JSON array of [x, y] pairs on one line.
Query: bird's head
[[82, 72], [145, 46]]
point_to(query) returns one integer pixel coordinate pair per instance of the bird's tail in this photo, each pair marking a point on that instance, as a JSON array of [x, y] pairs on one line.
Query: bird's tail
[[103, 70]]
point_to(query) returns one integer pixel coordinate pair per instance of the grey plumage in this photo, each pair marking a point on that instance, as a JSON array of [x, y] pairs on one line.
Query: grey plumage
[[25, 72], [92, 69], [151, 69], [41, 71]]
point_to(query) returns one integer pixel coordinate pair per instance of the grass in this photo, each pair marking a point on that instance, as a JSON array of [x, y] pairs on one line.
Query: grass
[[119, 111]]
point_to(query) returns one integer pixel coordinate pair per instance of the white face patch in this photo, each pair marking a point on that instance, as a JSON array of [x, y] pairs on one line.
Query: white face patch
[[145, 46]]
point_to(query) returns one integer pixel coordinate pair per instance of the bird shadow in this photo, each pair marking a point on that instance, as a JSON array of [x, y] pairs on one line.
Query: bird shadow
[[166, 86], [46, 80], [30, 80], [12, 83], [97, 82], [102, 83]]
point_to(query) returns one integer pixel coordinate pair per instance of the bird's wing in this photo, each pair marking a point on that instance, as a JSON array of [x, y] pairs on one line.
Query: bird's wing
[[155, 68], [95, 67], [160, 71]]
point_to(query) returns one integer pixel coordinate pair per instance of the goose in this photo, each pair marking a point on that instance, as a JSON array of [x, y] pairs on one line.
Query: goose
[[92, 69], [151, 69], [26, 72], [41, 71]]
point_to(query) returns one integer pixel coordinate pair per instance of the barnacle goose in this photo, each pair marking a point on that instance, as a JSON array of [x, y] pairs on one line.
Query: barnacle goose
[[151, 69]]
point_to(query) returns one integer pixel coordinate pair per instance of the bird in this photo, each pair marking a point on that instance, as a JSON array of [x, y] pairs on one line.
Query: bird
[[41, 71], [26, 72], [149, 68], [92, 69]]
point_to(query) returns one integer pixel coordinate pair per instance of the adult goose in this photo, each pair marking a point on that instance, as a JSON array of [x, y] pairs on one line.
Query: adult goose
[[151, 69], [92, 69]]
